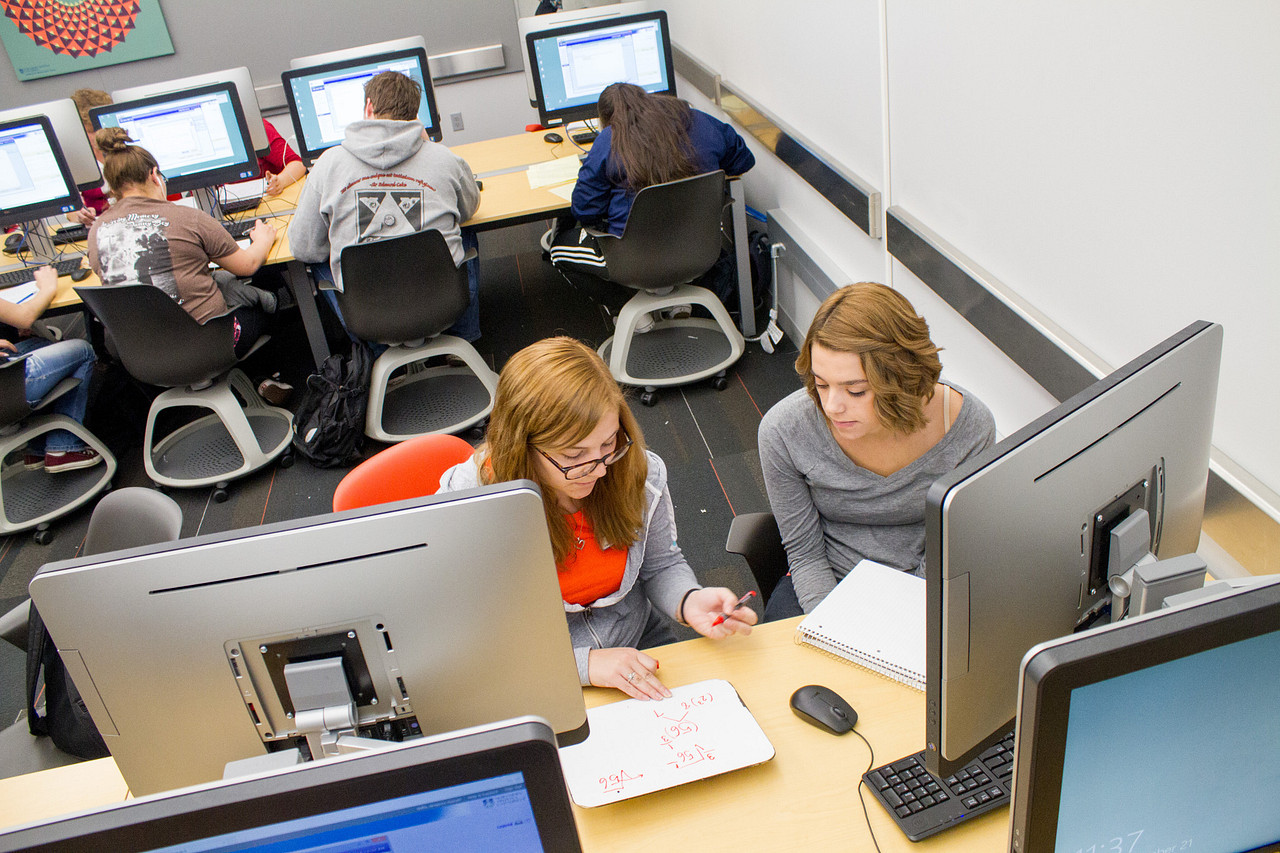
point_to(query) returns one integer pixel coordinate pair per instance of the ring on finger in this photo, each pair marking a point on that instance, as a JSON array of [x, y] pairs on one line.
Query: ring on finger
[[632, 676]]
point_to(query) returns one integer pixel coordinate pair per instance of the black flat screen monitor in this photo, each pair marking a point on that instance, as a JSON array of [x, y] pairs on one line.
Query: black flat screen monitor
[[245, 92], [1161, 732], [418, 617], [557, 20], [1016, 538], [198, 136], [324, 99], [496, 788], [35, 180], [572, 65], [67, 127]]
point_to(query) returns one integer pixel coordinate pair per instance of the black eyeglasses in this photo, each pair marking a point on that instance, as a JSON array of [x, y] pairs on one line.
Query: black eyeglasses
[[583, 469]]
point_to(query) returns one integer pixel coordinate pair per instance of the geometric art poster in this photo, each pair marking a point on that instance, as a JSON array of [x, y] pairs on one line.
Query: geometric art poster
[[48, 37]]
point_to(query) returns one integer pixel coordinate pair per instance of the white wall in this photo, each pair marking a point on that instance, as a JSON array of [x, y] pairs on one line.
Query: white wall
[[1112, 162]]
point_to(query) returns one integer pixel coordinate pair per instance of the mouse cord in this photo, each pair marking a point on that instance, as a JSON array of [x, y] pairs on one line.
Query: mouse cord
[[862, 784]]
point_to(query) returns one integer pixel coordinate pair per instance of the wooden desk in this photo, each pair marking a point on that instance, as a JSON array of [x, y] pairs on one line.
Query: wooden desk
[[513, 152], [805, 798]]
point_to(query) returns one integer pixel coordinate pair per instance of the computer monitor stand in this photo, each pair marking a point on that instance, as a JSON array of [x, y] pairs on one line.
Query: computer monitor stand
[[1140, 583], [37, 243], [206, 199]]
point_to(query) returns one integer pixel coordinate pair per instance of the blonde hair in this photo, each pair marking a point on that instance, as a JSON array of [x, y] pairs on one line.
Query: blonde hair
[[123, 165], [878, 324], [552, 394], [87, 99]]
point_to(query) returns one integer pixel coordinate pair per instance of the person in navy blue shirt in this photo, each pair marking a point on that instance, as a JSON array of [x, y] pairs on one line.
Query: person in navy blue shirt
[[646, 139]]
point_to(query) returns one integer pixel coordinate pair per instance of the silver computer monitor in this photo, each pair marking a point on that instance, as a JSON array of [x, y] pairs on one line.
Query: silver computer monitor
[[491, 788], [64, 117], [412, 618], [581, 14], [199, 135], [244, 90], [1017, 538], [1161, 732], [35, 180]]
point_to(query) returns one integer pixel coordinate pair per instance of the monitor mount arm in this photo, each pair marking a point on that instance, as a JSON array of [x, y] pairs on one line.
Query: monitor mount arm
[[1139, 583]]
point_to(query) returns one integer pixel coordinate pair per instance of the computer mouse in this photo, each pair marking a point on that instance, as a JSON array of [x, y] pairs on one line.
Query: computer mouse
[[13, 242], [823, 707], [80, 274], [553, 138]]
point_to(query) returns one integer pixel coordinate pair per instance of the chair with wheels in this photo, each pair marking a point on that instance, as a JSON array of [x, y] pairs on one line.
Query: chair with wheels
[[410, 469], [405, 292], [125, 518], [755, 536], [35, 498], [159, 343], [672, 236]]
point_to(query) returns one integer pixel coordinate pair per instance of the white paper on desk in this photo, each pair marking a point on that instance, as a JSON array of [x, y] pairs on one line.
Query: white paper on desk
[[20, 293], [565, 191], [639, 747], [553, 172]]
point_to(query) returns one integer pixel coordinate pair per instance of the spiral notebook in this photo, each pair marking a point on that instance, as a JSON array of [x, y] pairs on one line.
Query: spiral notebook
[[874, 618]]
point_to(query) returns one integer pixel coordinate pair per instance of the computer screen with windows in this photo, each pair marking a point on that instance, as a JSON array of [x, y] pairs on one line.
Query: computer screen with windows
[[245, 93], [377, 624], [1161, 732], [198, 136], [555, 20], [573, 64], [494, 788], [35, 180], [324, 99], [67, 127]]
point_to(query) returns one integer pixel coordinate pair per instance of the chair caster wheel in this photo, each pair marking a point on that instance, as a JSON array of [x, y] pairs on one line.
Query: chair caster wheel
[[649, 398], [720, 383], [220, 493], [286, 461], [43, 535]]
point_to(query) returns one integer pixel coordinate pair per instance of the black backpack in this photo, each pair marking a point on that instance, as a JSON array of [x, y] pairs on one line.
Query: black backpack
[[328, 427], [66, 720]]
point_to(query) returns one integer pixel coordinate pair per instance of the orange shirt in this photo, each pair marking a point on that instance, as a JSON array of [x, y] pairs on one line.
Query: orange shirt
[[591, 572]]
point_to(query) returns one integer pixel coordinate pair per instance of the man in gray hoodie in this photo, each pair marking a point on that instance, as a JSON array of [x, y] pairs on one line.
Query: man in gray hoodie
[[385, 179]]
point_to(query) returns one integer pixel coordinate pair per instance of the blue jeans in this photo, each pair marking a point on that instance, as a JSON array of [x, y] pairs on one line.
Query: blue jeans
[[468, 325], [783, 602], [47, 365]]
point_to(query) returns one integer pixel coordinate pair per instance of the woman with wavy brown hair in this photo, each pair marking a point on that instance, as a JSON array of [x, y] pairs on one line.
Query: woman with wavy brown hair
[[560, 420], [848, 459]]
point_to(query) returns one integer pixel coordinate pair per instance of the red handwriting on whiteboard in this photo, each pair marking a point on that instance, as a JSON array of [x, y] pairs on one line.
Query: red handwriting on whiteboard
[[616, 782], [677, 720], [694, 755]]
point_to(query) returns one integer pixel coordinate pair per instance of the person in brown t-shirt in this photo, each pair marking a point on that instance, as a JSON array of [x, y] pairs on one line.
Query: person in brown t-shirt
[[144, 238]]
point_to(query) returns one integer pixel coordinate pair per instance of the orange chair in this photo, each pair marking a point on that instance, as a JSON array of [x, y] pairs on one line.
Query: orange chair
[[409, 469]]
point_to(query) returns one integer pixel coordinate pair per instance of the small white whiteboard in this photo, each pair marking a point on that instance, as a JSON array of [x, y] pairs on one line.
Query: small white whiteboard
[[639, 747]]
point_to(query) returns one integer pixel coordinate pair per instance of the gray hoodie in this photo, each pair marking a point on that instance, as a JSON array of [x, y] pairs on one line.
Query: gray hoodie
[[385, 179], [656, 571]]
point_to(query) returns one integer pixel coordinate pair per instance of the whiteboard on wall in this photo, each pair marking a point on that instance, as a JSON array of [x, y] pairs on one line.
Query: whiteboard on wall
[[1113, 162], [813, 65]]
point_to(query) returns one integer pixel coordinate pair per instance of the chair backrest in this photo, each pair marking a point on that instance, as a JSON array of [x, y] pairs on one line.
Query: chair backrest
[[13, 392], [672, 236], [158, 342], [409, 469], [130, 517], [401, 289], [755, 536]]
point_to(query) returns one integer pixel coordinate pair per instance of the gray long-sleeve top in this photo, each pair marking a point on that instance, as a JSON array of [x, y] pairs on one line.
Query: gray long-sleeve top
[[832, 513], [656, 571]]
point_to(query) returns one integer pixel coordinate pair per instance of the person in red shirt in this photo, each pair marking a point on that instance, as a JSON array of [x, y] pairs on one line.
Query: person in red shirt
[[281, 166]]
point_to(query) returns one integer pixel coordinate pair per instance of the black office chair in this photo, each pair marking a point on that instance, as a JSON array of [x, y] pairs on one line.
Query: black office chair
[[159, 343], [125, 518], [755, 536], [672, 237], [406, 291], [35, 498]]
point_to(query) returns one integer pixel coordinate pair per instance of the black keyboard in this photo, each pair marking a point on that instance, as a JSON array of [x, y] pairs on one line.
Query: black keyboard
[[924, 805], [585, 136], [239, 205], [13, 278], [70, 234], [239, 230]]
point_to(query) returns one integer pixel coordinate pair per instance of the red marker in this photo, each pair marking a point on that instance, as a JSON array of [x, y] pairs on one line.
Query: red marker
[[741, 601]]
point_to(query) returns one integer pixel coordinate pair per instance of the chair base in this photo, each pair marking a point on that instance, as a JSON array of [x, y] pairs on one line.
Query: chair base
[[431, 400], [234, 440], [31, 498], [675, 352]]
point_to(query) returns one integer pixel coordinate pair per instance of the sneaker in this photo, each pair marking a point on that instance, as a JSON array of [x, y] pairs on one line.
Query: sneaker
[[56, 461], [547, 238], [33, 461], [645, 324], [677, 312], [274, 391], [267, 300]]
